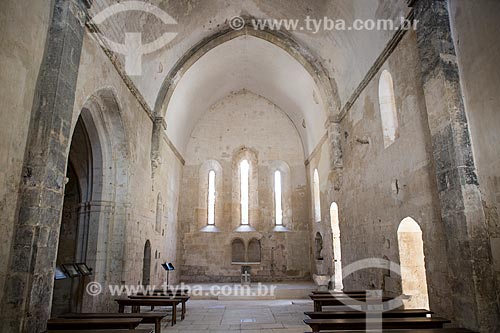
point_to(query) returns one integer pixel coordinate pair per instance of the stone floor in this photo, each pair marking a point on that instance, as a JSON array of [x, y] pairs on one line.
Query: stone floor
[[280, 316]]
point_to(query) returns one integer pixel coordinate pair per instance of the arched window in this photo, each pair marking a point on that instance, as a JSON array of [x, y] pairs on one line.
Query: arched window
[[278, 198], [411, 256], [244, 175], [388, 111], [159, 212], [317, 199], [211, 197], [146, 264]]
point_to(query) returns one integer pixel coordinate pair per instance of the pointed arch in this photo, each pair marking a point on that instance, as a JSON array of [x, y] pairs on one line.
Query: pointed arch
[[180, 108], [300, 52], [103, 182]]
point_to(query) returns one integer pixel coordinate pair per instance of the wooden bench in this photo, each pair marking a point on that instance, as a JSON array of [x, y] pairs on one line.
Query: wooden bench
[[435, 330], [171, 290], [334, 292], [320, 301], [162, 293], [362, 314], [147, 317], [344, 296], [318, 325], [149, 330], [137, 303], [182, 299], [92, 323]]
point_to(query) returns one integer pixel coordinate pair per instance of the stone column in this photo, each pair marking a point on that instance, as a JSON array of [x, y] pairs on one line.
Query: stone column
[[159, 127], [472, 283], [334, 143], [28, 289]]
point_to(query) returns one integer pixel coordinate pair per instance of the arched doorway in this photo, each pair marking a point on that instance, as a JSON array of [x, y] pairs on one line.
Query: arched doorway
[[94, 207], [411, 256], [68, 293], [146, 264], [337, 255]]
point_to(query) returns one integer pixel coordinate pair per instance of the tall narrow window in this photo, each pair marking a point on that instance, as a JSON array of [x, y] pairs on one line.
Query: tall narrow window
[[388, 112], [337, 256], [211, 197], [277, 198], [317, 199], [244, 175], [159, 212]]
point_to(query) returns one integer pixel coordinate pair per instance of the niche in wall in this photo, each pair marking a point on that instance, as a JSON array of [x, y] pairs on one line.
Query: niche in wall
[[318, 246], [254, 250], [237, 251], [245, 254]]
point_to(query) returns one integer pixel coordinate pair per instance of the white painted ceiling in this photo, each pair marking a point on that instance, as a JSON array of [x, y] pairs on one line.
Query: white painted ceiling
[[248, 63]]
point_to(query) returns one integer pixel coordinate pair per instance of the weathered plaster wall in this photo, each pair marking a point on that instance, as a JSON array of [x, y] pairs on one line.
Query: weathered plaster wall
[[244, 120], [475, 26], [343, 53], [21, 50], [132, 220], [376, 188]]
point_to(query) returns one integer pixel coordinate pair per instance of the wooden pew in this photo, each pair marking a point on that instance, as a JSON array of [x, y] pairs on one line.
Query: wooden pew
[[93, 323], [343, 296], [147, 317], [137, 303], [362, 314], [320, 301], [149, 330], [318, 325], [435, 330], [335, 292], [182, 299]]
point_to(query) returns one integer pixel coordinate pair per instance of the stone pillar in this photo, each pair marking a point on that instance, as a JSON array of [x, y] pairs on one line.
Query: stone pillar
[[159, 127], [30, 279], [334, 143], [472, 283]]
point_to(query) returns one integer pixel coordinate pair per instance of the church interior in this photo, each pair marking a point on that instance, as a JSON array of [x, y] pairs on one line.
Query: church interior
[[249, 166]]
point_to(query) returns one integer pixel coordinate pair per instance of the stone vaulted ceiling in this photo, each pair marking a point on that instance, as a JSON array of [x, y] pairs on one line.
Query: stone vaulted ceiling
[[250, 63]]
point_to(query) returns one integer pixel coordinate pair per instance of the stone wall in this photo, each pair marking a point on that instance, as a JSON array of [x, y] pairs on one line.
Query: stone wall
[[21, 51], [475, 27], [377, 187], [138, 187], [236, 124]]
